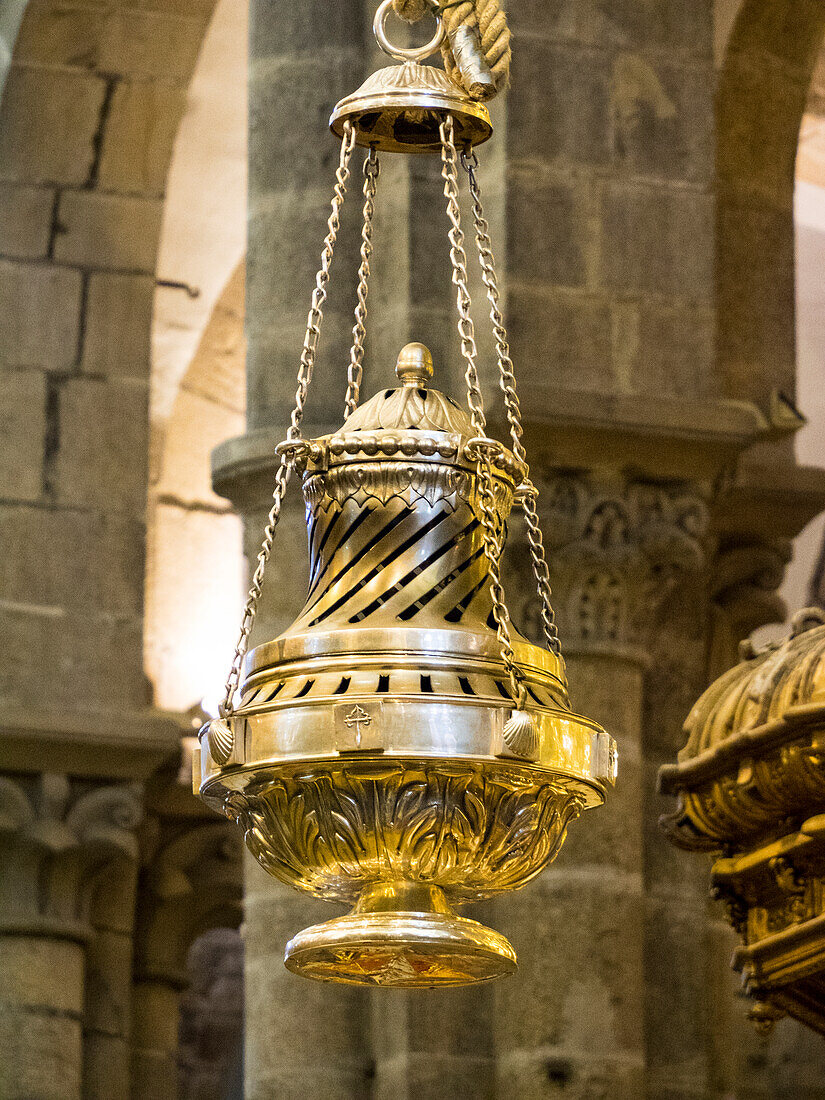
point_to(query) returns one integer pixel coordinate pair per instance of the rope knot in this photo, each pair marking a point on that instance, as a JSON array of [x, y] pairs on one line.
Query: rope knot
[[411, 11], [476, 50]]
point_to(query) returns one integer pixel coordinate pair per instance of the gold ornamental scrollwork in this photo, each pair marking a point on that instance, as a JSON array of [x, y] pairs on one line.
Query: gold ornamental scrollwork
[[472, 831]]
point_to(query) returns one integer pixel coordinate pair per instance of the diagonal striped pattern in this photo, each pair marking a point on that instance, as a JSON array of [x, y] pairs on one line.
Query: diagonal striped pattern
[[395, 560]]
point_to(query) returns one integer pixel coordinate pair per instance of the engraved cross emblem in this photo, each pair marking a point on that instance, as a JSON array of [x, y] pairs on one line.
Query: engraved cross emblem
[[357, 717]]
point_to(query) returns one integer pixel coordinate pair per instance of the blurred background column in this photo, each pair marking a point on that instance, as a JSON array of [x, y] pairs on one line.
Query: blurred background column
[[67, 848]]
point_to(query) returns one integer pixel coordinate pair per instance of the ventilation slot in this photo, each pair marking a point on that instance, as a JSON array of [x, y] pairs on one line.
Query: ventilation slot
[[363, 552], [534, 696], [502, 690], [383, 683], [445, 582], [343, 687], [272, 694], [305, 690], [456, 614], [318, 561], [466, 686], [427, 685], [362, 517]]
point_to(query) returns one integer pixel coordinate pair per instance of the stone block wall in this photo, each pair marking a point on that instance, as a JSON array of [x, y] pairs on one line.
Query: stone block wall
[[627, 216], [610, 141], [89, 111], [91, 102]]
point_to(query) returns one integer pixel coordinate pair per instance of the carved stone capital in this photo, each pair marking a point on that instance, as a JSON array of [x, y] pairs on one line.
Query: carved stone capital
[[615, 550], [58, 840]]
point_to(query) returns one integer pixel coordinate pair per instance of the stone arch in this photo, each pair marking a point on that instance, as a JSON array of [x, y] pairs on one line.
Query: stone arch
[[761, 99], [769, 110], [194, 556], [91, 106]]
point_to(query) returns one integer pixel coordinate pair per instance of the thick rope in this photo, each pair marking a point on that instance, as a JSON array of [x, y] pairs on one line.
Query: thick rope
[[477, 45]]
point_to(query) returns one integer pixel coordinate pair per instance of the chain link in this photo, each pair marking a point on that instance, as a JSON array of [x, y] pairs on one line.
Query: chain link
[[289, 456], [507, 381], [319, 294], [507, 377], [529, 505], [458, 258], [493, 547], [355, 372], [482, 447]]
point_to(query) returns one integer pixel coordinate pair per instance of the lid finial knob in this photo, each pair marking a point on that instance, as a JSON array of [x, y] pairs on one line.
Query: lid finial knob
[[415, 365]]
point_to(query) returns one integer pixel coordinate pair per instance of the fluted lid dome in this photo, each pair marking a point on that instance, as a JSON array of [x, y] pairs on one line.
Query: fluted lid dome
[[413, 404], [411, 75], [753, 759], [779, 683], [412, 425]]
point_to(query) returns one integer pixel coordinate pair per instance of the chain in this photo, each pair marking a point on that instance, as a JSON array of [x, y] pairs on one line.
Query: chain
[[507, 381], [319, 294], [529, 502], [482, 447], [289, 454], [458, 257], [356, 365], [507, 377], [493, 547]]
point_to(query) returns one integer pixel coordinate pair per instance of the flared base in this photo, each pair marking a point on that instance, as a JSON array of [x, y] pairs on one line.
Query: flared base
[[401, 936]]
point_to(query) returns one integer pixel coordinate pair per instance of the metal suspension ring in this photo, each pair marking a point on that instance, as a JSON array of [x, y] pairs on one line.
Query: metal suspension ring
[[400, 54]]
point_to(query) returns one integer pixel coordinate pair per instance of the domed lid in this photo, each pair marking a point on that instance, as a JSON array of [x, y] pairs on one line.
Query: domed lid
[[413, 405], [753, 761], [409, 424]]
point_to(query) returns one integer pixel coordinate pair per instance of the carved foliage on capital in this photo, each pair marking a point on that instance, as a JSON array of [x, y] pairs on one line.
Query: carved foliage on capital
[[615, 550], [59, 838]]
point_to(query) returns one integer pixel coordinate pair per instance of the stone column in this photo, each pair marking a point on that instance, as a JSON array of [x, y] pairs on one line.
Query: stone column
[[613, 316], [62, 843], [302, 60], [155, 1036], [603, 175], [573, 1019], [302, 1039], [433, 1046], [190, 881]]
